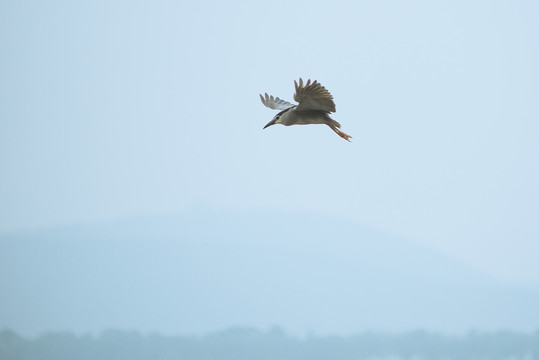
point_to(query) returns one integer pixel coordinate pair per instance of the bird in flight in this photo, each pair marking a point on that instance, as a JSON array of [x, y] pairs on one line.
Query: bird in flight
[[315, 104]]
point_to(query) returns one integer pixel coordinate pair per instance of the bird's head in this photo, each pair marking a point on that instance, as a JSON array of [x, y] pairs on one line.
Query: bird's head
[[274, 121]]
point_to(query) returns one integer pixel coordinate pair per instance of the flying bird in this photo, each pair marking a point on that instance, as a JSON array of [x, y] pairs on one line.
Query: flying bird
[[315, 104]]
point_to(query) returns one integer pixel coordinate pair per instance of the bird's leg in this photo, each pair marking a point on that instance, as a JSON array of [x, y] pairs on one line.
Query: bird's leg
[[342, 134]]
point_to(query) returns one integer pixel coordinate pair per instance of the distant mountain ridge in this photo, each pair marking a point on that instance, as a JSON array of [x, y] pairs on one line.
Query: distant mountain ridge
[[206, 271]]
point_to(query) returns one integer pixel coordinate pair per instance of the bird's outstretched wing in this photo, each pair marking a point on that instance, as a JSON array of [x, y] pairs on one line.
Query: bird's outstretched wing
[[275, 103], [313, 96]]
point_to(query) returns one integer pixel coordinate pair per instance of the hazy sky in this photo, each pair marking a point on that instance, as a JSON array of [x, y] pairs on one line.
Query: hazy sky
[[113, 109]]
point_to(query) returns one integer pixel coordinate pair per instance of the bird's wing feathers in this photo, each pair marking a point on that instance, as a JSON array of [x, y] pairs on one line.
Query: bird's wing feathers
[[313, 96], [275, 103]]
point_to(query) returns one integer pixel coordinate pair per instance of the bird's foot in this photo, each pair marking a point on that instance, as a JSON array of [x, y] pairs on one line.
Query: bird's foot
[[339, 132], [344, 135]]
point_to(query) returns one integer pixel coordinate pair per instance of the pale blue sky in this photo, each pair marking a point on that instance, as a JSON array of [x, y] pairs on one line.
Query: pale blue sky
[[113, 109]]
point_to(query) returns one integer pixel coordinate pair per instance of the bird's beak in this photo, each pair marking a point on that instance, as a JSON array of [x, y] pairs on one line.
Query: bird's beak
[[272, 122]]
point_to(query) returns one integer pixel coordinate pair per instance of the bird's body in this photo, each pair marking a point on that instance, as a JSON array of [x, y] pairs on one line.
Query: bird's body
[[315, 104], [292, 116]]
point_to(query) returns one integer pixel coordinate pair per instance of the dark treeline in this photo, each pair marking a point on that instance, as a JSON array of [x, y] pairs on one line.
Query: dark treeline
[[249, 344]]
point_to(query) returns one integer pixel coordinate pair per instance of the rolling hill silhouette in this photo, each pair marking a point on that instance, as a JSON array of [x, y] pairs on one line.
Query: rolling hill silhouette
[[206, 271]]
